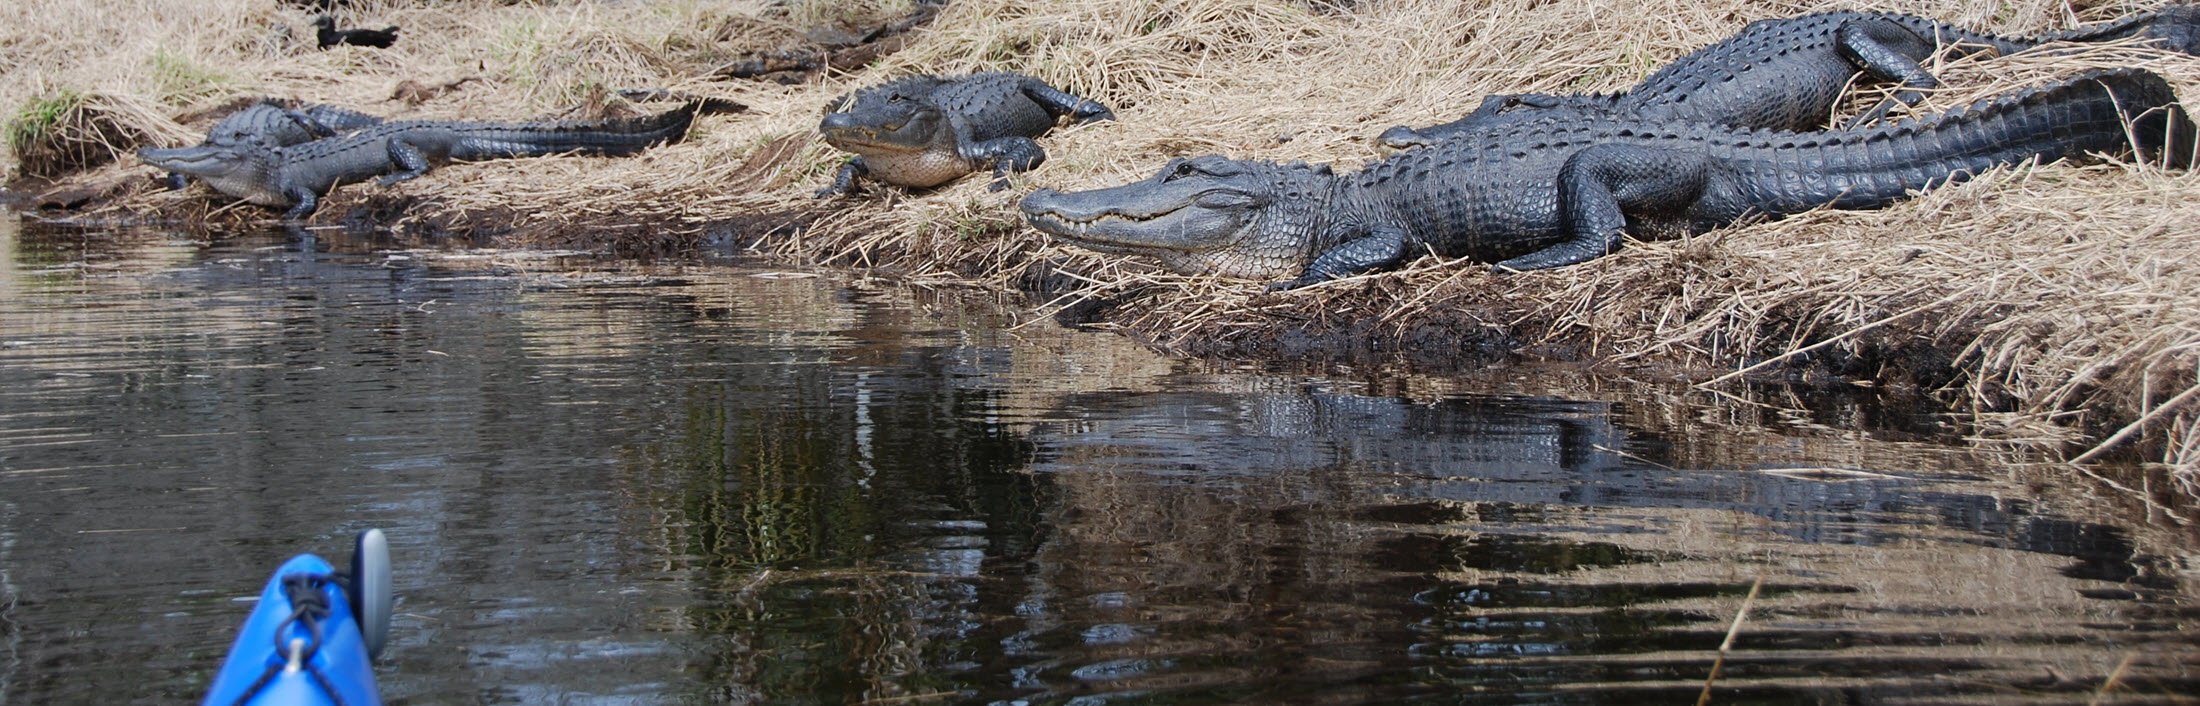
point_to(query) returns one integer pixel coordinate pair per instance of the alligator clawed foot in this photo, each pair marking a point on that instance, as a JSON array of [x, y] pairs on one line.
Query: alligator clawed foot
[[1090, 112]]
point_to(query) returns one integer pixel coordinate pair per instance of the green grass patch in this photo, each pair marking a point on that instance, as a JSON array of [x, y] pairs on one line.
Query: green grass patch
[[35, 121], [179, 79], [518, 48]]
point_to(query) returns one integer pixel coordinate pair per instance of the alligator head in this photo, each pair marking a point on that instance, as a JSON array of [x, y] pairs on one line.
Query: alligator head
[[244, 168], [897, 116], [1211, 215]]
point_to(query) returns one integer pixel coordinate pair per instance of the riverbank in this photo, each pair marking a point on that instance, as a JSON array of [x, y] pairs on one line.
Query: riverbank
[[2054, 302]]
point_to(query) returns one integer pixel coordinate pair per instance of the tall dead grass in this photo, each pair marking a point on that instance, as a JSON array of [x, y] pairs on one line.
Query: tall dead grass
[[2053, 300]]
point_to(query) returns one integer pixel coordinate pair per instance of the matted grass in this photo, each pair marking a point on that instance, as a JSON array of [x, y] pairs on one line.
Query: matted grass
[[2055, 301]]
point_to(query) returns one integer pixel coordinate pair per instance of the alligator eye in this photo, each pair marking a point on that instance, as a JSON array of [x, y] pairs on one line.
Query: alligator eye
[[896, 98], [1183, 169]]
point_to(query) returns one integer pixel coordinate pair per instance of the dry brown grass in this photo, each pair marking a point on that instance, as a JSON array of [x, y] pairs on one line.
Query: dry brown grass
[[2054, 300]]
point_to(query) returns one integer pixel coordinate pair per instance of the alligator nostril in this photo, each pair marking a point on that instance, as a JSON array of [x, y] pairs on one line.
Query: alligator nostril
[[838, 121]]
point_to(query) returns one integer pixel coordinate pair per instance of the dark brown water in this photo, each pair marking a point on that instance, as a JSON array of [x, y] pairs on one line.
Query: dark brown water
[[711, 484]]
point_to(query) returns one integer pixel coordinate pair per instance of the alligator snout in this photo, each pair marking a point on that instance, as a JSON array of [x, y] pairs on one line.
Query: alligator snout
[[171, 158], [1055, 205], [1399, 138], [1035, 201], [840, 121]]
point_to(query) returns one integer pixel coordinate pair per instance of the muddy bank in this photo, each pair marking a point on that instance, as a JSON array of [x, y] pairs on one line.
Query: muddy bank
[[2052, 301]]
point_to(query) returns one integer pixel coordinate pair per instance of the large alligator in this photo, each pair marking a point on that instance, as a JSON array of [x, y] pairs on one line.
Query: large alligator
[[297, 176], [1563, 190], [1788, 73], [924, 131]]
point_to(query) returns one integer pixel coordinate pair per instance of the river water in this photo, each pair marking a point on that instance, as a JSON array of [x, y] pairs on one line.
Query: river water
[[718, 483]]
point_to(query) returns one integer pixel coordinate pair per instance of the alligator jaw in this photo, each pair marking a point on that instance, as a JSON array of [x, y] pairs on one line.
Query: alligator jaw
[[853, 137], [230, 169], [1099, 221], [849, 132], [1192, 228], [1082, 233], [199, 161]]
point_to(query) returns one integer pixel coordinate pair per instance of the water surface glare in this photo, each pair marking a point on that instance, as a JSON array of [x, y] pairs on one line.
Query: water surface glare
[[721, 484]]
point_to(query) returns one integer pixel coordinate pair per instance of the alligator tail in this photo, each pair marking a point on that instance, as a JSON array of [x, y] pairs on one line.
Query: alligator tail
[[1948, 35], [2111, 111], [2159, 130], [2174, 27], [605, 138]]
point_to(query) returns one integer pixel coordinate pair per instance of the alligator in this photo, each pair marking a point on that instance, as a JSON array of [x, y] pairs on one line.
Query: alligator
[[1789, 73], [297, 176], [923, 131], [278, 122], [1564, 189]]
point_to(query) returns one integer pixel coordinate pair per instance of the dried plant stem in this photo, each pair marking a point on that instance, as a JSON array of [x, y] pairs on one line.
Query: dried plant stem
[[1728, 643], [2114, 676], [1906, 313], [2134, 427]]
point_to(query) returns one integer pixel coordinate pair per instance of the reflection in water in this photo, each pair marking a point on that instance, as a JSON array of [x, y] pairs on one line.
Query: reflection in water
[[711, 484]]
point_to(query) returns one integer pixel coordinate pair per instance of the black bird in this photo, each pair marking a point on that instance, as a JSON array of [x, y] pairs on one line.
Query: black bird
[[331, 36]]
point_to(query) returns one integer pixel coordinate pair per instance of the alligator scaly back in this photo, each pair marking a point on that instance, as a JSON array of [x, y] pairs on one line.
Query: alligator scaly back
[[617, 137]]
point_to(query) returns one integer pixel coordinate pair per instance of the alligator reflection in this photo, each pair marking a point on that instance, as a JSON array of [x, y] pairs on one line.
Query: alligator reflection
[[1515, 544], [1312, 547]]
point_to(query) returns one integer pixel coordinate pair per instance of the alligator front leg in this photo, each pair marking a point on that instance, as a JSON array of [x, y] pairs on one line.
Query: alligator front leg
[[1600, 185], [1008, 154], [303, 203], [1058, 103], [308, 123], [1380, 247], [1870, 44], [844, 181], [409, 160]]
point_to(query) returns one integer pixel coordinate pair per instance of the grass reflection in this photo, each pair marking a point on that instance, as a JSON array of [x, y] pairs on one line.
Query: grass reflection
[[760, 489], [833, 525]]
